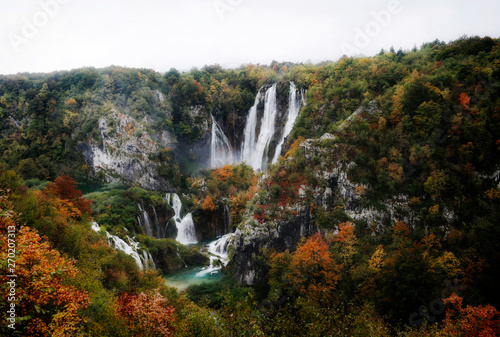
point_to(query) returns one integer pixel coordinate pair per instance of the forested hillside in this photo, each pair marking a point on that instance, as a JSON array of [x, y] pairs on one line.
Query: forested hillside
[[380, 217]]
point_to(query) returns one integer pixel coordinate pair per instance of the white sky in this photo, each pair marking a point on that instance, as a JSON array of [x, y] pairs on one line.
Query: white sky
[[162, 34]]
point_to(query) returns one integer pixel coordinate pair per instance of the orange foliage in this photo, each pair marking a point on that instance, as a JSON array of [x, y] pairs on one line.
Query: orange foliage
[[223, 173], [44, 305], [208, 204], [71, 102], [470, 321], [346, 232], [311, 270], [295, 147], [401, 229], [464, 100], [147, 314], [492, 194]]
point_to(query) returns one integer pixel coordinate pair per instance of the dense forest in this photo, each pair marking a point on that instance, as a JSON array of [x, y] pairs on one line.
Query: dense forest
[[380, 217]]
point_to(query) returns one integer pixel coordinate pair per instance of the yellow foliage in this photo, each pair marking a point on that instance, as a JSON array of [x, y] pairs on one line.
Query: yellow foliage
[[376, 262], [434, 209], [449, 264]]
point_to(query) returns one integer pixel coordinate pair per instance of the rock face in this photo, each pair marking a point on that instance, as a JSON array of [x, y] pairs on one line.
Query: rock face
[[125, 150], [250, 239], [211, 225]]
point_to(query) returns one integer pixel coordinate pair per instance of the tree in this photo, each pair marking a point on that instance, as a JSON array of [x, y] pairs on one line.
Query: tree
[[64, 187], [147, 314], [347, 242], [310, 271]]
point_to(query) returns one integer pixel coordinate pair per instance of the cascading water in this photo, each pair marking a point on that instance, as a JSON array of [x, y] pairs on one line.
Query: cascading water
[[255, 149], [219, 251], [157, 224], [186, 233], [248, 147], [131, 248], [294, 103], [221, 152], [146, 224]]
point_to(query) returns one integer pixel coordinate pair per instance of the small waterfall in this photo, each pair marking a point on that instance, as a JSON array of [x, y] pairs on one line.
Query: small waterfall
[[125, 247], [131, 248], [148, 259], [186, 233], [157, 224], [180, 257], [220, 150], [95, 227], [218, 250], [146, 224], [294, 102]]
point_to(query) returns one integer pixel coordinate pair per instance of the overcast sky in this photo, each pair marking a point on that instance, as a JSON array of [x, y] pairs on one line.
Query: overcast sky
[[48, 35]]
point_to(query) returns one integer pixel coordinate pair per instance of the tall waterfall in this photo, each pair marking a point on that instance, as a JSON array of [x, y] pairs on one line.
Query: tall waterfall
[[255, 149], [294, 103], [186, 233], [248, 147], [221, 152]]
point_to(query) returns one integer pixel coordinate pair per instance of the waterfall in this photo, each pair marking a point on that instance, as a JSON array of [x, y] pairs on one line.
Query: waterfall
[[131, 248], [219, 251], [95, 227], [146, 224], [157, 223], [266, 129], [148, 259], [220, 149], [186, 233], [248, 147], [294, 102], [255, 149]]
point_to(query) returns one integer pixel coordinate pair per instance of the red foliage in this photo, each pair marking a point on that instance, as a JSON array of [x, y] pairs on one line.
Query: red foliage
[[470, 321], [64, 187], [147, 314], [401, 229]]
